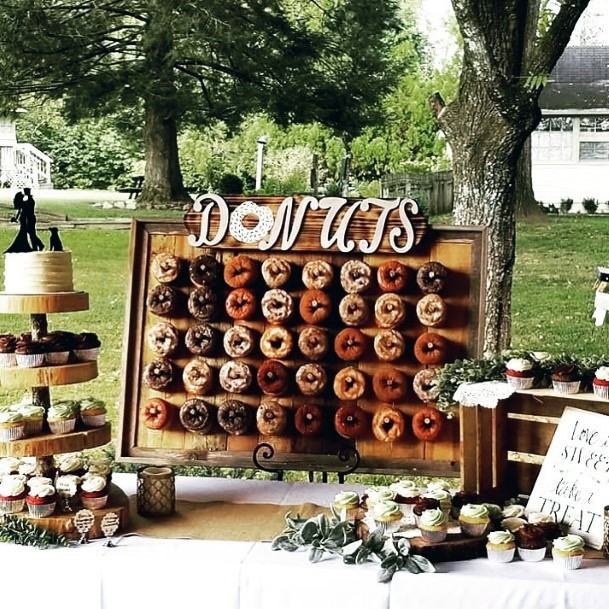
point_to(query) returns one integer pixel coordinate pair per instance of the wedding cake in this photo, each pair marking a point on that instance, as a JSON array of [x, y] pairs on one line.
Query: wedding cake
[[38, 272]]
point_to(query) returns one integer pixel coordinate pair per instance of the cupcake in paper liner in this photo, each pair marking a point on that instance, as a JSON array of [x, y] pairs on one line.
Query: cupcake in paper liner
[[57, 347], [422, 504], [41, 500], [433, 525], [474, 520], [12, 426], [87, 347], [12, 494], [347, 503], [29, 353], [443, 496], [387, 514], [61, 417], [519, 373], [33, 417], [531, 543], [600, 383], [501, 546], [8, 343], [568, 552], [92, 412], [94, 492], [70, 464], [406, 494], [566, 379], [377, 494]]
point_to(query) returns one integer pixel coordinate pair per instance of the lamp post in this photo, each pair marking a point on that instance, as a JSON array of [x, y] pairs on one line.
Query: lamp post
[[262, 140]]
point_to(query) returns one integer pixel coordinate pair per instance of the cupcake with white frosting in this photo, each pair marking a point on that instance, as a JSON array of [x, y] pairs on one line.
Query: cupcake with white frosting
[[568, 552], [387, 514], [41, 500], [443, 496], [600, 383], [474, 520], [347, 502], [12, 494], [433, 525], [12, 426], [71, 464], [376, 494], [501, 546], [9, 465], [94, 492], [519, 373], [406, 494]]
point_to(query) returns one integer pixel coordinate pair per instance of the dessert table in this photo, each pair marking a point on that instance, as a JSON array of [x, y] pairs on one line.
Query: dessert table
[[160, 573]]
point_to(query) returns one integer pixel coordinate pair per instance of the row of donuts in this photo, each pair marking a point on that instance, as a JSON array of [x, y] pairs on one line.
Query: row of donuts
[[278, 306], [274, 378], [272, 419], [355, 275], [277, 342]]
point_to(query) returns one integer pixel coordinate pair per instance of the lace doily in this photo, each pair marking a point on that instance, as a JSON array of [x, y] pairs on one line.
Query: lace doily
[[487, 394]]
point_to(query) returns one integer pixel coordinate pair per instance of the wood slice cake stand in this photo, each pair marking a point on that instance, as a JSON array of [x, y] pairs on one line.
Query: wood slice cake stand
[[456, 547], [43, 447]]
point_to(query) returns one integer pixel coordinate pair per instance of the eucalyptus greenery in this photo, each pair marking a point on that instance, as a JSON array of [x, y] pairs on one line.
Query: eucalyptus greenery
[[21, 531], [323, 534]]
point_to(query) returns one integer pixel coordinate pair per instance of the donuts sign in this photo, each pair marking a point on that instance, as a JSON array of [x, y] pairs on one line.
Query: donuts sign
[[329, 223]]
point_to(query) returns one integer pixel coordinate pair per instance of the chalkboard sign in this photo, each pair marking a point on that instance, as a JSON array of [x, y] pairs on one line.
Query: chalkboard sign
[[573, 484]]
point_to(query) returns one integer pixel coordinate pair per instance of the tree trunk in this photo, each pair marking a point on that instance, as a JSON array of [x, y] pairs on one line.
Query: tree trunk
[[527, 207]]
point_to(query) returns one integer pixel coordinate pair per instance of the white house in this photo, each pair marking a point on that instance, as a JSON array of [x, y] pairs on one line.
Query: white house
[[570, 147]]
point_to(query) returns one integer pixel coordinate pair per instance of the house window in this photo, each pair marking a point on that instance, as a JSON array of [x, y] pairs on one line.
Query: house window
[[594, 151], [594, 124], [553, 139]]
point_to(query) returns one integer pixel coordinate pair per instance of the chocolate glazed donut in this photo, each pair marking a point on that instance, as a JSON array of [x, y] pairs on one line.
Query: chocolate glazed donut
[[273, 377], [351, 421], [235, 417], [350, 344], [197, 416]]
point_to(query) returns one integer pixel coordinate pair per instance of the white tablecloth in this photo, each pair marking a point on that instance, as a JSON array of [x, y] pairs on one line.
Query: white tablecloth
[[166, 573]]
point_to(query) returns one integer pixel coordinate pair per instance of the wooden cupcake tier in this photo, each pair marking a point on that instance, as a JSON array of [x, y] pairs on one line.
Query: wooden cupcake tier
[[456, 547], [48, 376], [62, 523], [49, 444], [54, 302]]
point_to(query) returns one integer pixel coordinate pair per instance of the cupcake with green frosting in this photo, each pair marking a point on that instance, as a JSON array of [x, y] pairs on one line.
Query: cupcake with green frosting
[[501, 546], [376, 494], [34, 418], [474, 520], [568, 552], [387, 514], [349, 502], [12, 426], [92, 412], [433, 525], [62, 417]]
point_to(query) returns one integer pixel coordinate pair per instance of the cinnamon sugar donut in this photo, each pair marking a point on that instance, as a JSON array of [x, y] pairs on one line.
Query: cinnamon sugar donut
[[235, 377], [315, 307], [273, 377], [308, 419], [204, 271], [158, 374], [277, 306], [162, 300], [157, 413], [353, 310], [198, 377], [271, 418], [165, 267], [424, 385], [239, 341], [235, 417], [389, 311], [240, 271], [350, 344], [197, 416], [163, 338], [276, 272], [389, 384], [427, 424], [203, 304], [389, 345], [431, 310], [201, 339], [431, 277], [276, 342], [311, 379], [355, 276], [431, 348], [241, 304], [388, 424], [351, 421], [313, 343], [349, 384], [392, 276], [317, 274]]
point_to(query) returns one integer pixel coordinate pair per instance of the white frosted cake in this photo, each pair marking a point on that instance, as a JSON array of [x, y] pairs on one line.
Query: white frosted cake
[[38, 272]]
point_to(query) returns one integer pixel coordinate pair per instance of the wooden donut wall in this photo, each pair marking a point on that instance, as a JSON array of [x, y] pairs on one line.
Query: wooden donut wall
[[458, 249]]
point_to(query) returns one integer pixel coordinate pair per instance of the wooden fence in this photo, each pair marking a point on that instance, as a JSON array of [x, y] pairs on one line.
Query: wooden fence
[[434, 191]]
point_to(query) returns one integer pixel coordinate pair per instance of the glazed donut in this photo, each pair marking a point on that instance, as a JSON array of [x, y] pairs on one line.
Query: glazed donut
[[240, 271], [427, 424], [250, 235], [350, 344], [197, 416], [353, 310], [351, 421], [276, 342], [271, 418], [165, 267], [203, 304], [162, 300], [235, 417], [388, 424], [276, 272], [392, 276], [201, 339], [431, 310], [315, 307], [389, 311], [235, 377], [355, 276], [273, 377], [317, 274], [313, 343], [204, 271], [197, 377], [430, 348], [389, 384], [156, 413], [349, 384], [163, 338], [308, 419], [277, 306], [239, 341], [431, 277], [424, 385], [241, 304], [311, 379], [389, 345], [158, 374]]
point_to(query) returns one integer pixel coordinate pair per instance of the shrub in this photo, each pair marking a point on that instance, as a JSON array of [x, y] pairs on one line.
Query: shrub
[[565, 205], [590, 204], [230, 184]]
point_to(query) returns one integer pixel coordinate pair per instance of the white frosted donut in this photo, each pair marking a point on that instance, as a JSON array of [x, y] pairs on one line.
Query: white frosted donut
[[250, 235]]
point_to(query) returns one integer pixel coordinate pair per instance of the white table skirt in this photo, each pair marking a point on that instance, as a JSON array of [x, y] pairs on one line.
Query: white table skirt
[[165, 573]]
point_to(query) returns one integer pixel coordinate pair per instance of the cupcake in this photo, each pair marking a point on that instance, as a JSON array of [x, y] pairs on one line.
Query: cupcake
[[29, 353], [512, 524], [87, 347], [474, 520], [12, 494], [61, 417], [438, 485], [519, 373], [422, 504], [70, 464], [460, 498], [500, 546], [100, 467], [600, 383], [9, 465], [433, 525], [376, 494], [8, 343], [12, 426], [33, 417], [92, 412], [94, 492], [513, 511], [387, 514], [57, 347], [444, 497], [349, 502], [67, 490], [531, 543], [566, 378], [568, 552], [28, 467], [41, 500], [406, 494]]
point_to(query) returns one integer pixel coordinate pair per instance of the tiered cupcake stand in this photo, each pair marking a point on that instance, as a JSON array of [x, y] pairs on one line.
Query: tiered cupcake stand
[[44, 446]]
